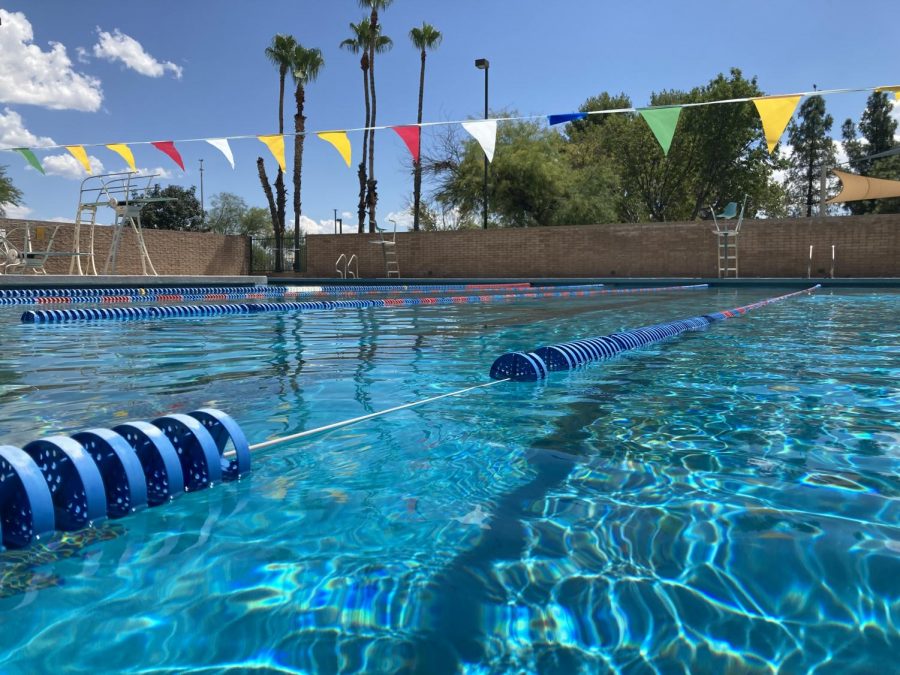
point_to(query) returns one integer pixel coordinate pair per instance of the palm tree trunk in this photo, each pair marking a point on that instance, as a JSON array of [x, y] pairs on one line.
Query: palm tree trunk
[[371, 194], [299, 126], [273, 210], [417, 166], [282, 74], [361, 210], [281, 208]]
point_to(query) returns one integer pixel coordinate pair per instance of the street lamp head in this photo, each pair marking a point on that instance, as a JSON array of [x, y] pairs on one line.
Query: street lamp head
[[482, 64]]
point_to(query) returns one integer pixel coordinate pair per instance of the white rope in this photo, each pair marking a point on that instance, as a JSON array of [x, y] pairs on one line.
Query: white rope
[[288, 134], [344, 423]]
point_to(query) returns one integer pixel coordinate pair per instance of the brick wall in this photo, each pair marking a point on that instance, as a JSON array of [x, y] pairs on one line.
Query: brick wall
[[187, 253], [866, 246]]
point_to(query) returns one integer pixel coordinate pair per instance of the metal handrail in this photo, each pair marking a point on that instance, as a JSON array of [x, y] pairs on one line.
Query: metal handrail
[[354, 261], [342, 273]]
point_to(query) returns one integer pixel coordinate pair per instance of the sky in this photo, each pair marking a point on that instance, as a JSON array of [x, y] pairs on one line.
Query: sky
[[109, 71]]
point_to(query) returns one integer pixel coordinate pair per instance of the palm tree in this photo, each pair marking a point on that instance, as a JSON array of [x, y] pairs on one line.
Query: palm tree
[[305, 67], [424, 38], [375, 6], [359, 42], [279, 53]]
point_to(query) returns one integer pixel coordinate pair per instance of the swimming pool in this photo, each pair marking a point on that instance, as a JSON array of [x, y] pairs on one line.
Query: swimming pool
[[728, 499]]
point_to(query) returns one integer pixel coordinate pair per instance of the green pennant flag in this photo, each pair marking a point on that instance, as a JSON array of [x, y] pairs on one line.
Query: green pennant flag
[[29, 155], [662, 122]]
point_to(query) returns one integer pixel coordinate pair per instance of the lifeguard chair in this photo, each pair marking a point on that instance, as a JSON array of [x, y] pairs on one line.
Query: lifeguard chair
[[124, 193], [727, 231]]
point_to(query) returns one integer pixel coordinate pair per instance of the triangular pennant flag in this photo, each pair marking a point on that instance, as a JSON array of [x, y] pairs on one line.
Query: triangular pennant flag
[[221, 144], [565, 117], [78, 153], [275, 144], [168, 148], [29, 155], [893, 88], [340, 141], [662, 122], [775, 113], [485, 132], [412, 136], [124, 152]]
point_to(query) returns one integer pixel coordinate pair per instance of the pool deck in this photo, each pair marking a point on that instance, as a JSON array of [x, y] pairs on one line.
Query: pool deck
[[10, 281], [120, 281], [792, 282]]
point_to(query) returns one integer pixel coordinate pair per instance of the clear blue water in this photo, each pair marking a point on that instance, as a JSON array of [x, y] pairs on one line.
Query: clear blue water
[[728, 501]]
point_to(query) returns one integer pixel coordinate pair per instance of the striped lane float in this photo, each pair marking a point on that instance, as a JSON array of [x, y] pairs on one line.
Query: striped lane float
[[536, 365]]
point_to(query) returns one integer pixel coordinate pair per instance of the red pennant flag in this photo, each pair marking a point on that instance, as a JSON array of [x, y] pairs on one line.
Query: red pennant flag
[[411, 136], [168, 147]]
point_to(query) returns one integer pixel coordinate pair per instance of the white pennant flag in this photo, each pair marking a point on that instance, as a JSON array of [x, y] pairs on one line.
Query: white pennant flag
[[221, 144], [485, 132]]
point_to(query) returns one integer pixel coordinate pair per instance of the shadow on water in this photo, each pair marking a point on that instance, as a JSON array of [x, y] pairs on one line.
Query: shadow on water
[[458, 593]]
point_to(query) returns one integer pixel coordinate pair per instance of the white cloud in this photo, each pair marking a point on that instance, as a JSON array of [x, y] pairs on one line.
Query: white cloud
[[117, 46], [60, 219], [13, 133], [404, 220], [895, 113], [32, 76], [158, 173], [83, 55], [17, 212], [67, 166]]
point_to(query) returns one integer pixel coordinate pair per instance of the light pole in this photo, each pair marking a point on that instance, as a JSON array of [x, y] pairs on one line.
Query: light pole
[[202, 203], [485, 65]]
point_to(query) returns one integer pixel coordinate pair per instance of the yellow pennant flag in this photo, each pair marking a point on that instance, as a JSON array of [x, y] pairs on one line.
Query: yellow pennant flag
[[78, 153], [340, 141], [775, 113], [893, 88], [124, 152], [275, 143]]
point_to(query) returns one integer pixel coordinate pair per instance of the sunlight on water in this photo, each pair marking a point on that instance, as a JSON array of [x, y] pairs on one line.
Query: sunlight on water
[[727, 501]]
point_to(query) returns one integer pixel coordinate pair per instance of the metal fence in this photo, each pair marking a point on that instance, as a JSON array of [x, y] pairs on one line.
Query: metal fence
[[263, 255]]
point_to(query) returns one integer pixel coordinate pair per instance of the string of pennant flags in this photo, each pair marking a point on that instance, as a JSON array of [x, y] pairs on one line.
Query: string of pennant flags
[[775, 112]]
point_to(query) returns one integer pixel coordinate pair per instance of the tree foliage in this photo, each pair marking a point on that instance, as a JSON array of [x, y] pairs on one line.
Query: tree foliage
[[10, 195], [878, 135], [609, 167], [226, 213], [813, 152], [181, 211]]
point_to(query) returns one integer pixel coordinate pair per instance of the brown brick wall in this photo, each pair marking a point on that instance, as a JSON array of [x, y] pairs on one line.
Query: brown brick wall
[[175, 253], [866, 246]]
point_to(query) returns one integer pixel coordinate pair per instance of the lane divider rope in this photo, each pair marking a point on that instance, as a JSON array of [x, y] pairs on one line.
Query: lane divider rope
[[536, 365], [56, 316], [69, 483]]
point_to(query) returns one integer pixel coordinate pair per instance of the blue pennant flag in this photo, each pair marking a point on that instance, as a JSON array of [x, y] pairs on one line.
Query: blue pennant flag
[[565, 117]]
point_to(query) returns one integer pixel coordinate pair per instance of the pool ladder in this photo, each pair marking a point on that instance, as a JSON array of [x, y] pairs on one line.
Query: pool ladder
[[346, 271], [389, 250]]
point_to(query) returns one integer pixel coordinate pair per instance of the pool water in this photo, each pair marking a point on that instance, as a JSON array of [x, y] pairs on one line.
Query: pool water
[[727, 501]]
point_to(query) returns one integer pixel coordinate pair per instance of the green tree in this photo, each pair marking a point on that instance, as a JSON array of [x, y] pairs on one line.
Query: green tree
[[718, 153], [279, 53], [10, 195], [181, 211], [425, 38], [534, 180], [256, 222], [305, 67], [878, 135], [813, 150], [226, 213], [371, 184]]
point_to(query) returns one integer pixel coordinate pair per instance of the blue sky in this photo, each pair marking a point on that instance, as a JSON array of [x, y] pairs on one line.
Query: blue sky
[[196, 69]]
